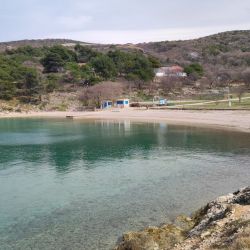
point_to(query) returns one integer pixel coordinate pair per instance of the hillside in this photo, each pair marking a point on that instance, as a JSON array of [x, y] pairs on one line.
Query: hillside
[[230, 50], [32, 70], [36, 43]]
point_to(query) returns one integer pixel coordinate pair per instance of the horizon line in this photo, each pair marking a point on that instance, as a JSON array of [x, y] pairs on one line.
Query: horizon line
[[104, 43]]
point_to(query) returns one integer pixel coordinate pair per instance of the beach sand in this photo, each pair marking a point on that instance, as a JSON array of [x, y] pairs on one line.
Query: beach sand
[[234, 120]]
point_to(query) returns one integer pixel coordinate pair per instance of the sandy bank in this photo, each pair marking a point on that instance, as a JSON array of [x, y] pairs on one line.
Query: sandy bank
[[235, 120]]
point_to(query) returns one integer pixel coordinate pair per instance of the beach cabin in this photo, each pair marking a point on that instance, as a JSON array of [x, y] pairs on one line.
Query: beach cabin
[[163, 102], [106, 104], [122, 103]]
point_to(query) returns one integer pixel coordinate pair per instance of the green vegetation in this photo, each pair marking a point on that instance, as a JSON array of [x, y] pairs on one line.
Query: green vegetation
[[27, 72], [56, 58], [84, 53], [215, 49], [194, 68], [16, 79], [104, 67], [133, 66], [212, 64]]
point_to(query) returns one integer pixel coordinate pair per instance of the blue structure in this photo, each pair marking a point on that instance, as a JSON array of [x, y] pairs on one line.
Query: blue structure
[[163, 102], [122, 103], [107, 104]]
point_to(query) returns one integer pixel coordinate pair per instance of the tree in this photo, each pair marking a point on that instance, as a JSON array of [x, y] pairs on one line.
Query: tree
[[224, 78], [7, 90], [31, 79], [154, 61], [89, 75], [27, 51], [134, 66], [94, 95], [194, 68], [84, 53], [139, 70], [52, 63], [120, 60], [240, 90], [51, 82], [245, 76], [170, 84], [104, 67], [56, 59], [74, 71], [66, 55]]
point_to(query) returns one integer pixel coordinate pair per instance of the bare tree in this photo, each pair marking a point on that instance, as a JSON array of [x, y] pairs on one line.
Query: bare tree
[[170, 84], [223, 78], [93, 96], [240, 91], [245, 76]]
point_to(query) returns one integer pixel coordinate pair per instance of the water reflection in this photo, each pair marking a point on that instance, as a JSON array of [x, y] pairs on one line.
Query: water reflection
[[69, 143]]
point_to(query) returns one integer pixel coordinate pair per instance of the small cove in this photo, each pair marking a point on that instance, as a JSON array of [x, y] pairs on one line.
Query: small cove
[[68, 184]]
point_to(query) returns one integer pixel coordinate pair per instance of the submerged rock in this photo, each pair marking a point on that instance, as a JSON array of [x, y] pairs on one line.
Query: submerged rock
[[221, 223]]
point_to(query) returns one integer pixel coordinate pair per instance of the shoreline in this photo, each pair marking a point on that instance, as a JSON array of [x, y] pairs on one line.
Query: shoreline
[[225, 120]]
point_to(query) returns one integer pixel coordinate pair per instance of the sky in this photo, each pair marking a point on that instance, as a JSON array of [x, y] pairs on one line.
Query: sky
[[119, 21]]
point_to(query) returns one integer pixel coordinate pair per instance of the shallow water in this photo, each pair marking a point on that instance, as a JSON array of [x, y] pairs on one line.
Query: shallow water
[[68, 184]]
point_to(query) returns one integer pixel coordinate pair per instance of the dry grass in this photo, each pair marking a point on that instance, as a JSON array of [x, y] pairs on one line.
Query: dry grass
[[242, 242]]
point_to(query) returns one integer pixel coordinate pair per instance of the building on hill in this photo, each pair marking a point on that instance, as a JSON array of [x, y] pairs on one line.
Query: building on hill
[[172, 71]]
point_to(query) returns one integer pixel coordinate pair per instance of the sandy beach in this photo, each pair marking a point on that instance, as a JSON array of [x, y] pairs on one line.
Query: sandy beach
[[234, 120]]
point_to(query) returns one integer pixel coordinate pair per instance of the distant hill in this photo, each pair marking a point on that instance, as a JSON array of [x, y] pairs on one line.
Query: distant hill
[[228, 49], [37, 43]]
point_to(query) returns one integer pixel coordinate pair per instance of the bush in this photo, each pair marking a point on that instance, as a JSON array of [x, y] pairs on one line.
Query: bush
[[56, 59], [84, 53], [194, 68], [104, 66], [7, 90], [52, 63]]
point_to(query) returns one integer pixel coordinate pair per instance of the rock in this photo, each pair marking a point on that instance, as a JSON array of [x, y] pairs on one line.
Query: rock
[[221, 223], [242, 196]]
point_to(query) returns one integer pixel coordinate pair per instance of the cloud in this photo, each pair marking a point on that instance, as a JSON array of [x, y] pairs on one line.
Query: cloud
[[120, 21], [73, 23]]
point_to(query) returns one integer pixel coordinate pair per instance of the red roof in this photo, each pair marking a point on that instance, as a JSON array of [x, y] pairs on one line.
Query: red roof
[[176, 69]]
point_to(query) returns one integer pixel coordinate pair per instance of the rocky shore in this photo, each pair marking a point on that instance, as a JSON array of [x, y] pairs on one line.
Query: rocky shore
[[222, 224]]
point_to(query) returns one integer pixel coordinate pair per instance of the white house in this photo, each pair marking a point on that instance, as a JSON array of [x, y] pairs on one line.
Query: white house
[[174, 71]]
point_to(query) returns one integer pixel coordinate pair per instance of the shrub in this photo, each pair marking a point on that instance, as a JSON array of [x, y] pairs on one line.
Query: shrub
[[194, 68]]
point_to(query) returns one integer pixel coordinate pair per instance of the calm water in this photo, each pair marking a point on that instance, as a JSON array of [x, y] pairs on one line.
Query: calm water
[[80, 185]]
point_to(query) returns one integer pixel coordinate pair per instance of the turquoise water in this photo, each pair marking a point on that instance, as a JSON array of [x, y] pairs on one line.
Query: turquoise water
[[68, 184]]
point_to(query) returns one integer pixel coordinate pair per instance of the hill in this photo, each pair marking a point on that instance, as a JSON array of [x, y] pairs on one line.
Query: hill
[[36, 43], [228, 49], [30, 70]]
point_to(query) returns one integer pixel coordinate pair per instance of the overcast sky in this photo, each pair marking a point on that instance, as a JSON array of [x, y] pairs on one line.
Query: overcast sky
[[120, 21]]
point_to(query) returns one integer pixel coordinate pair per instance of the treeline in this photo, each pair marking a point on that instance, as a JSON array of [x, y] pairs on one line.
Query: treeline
[[17, 80], [26, 73]]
